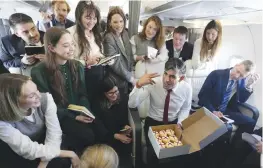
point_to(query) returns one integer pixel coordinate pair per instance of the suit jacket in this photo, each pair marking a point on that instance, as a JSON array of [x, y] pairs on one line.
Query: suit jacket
[[121, 70], [11, 48], [68, 23], [186, 53], [212, 92]]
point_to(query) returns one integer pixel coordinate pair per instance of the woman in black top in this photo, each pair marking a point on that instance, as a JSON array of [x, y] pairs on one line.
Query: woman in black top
[[113, 111]]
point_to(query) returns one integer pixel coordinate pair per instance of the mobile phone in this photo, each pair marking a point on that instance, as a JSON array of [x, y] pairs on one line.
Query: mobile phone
[[125, 130], [224, 120]]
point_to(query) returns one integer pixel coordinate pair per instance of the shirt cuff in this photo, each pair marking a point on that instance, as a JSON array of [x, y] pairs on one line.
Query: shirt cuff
[[55, 153], [249, 88]]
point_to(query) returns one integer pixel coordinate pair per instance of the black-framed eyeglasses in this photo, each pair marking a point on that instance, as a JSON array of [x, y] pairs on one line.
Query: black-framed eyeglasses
[[113, 92]]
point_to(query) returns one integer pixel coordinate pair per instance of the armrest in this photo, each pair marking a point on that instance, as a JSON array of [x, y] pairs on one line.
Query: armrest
[[135, 123], [248, 110]]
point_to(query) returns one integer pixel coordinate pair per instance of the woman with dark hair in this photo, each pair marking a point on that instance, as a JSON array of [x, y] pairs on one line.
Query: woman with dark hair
[[88, 40], [112, 109], [152, 35], [30, 134], [63, 77], [116, 41]]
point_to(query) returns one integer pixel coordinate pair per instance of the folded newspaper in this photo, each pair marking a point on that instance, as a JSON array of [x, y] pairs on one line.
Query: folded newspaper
[[106, 59], [81, 109]]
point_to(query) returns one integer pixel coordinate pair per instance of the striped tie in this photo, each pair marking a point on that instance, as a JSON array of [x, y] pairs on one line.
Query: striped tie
[[227, 95]]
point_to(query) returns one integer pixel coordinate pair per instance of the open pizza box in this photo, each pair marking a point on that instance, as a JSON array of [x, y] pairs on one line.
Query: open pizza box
[[199, 130]]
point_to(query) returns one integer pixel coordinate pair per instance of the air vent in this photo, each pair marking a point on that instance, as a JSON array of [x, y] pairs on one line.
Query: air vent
[[232, 10]]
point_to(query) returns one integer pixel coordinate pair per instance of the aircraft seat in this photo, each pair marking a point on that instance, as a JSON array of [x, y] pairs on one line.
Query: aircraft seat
[[4, 27]]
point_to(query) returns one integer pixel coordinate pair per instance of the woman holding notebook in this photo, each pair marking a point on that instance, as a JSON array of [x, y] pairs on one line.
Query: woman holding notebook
[[63, 77], [116, 41], [149, 48], [88, 40]]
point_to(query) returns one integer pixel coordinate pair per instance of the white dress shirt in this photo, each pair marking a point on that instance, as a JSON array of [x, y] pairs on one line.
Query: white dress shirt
[[25, 147], [180, 100], [177, 53]]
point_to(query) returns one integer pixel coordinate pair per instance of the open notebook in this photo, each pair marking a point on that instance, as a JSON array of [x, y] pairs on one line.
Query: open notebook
[[106, 59], [81, 109]]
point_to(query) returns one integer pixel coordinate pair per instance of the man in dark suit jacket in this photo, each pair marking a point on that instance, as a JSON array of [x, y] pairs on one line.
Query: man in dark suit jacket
[[223, 89], [59, 18], [13, 46], [178, 47]]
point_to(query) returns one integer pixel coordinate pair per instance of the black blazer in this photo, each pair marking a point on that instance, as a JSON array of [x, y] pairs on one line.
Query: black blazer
[[186, 52], [68, 23], [11, 48]]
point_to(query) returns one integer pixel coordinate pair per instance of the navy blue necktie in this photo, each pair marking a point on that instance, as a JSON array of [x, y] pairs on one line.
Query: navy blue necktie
[[227, 95]]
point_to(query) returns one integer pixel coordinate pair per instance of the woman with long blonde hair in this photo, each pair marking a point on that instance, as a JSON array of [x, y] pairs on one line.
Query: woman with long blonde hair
[[30, 133], [151, 36], [99, 156]]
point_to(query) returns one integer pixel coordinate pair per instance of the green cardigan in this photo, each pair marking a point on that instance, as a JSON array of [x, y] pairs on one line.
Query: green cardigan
[[40, 77]]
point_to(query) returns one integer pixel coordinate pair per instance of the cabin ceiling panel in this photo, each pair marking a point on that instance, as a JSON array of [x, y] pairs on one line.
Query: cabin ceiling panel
[[205, 9]]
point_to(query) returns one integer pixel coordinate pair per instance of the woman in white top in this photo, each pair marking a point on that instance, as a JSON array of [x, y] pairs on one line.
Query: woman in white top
[[151, 38], [30, 134], [88, 40], [206, 49]]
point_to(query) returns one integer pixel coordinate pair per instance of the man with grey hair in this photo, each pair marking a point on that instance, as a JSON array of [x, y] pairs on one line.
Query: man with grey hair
[[224, 88]]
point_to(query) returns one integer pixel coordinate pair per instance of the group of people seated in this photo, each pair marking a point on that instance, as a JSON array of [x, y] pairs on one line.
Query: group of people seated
[[38, 130]]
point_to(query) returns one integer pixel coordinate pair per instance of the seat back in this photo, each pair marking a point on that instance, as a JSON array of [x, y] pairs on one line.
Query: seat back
[[136, 125], [196, 83], [4, 28]]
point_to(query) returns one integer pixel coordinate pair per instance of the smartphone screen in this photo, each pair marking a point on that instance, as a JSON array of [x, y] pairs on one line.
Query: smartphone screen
[[224, 120]]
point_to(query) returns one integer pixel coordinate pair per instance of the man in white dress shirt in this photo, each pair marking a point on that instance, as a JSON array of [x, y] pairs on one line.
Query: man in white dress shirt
[[170, 97]]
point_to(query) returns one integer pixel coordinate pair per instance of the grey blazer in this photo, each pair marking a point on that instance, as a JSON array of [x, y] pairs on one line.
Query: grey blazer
[[121, 70]]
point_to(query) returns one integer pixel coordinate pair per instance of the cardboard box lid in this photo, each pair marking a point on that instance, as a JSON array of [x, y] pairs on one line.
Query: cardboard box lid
[[201, 128]]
